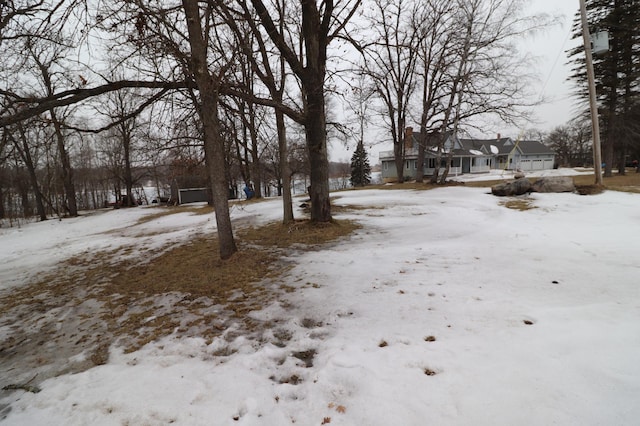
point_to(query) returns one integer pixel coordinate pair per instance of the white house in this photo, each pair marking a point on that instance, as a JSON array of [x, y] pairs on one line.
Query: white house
[[467, 155]]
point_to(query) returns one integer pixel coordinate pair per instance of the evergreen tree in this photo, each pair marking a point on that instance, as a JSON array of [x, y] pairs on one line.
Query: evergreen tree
[[360, 168], [617, 75]]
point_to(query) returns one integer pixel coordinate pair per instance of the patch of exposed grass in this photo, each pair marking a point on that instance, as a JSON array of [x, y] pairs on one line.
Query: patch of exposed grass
[[187, 290], [299, 232], [350, 208], [521, 204], [630, 179], [589, 189]]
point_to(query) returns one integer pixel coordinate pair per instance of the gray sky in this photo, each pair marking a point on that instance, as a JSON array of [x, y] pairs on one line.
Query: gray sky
[[550, 48]]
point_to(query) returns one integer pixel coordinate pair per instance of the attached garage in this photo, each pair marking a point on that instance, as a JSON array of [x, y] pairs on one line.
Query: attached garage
[[537, 165]]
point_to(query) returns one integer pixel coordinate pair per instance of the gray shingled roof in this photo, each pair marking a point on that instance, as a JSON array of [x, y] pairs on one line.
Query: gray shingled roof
[[526, 147]]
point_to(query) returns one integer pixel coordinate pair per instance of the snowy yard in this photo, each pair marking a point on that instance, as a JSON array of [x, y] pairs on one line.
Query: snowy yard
[[445, 308]]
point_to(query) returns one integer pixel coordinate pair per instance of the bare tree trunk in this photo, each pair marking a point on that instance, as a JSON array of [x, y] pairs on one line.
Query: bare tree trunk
[[316, 138], [22, 147], [213, 142], [398, 154], [436, 170], [255, 155], [315, 37], [128, 177], [66, 172], [285, 172], [2, 210], [421, 152]]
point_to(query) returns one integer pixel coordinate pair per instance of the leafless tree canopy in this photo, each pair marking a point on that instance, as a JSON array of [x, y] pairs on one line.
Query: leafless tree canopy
[[145, 91]]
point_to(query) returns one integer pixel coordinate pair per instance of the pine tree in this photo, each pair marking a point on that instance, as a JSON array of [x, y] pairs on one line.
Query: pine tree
[[617, 77], [360, 168]]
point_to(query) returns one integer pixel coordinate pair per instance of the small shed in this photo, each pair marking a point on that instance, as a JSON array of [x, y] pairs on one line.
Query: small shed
[[182, 195]]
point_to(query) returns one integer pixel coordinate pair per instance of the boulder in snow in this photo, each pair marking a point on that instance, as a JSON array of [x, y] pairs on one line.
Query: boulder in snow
[[516, 187], [554, 184]]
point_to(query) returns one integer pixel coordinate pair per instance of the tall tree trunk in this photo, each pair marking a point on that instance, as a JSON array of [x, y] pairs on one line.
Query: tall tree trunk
[[66, 172], [438, 160], [213, 142], [398, 156], [316, 138], [608, 152], [22, 147], [2, 210], [422, 142], [255, 154], [285, 172], [128, 176], [315, 41]]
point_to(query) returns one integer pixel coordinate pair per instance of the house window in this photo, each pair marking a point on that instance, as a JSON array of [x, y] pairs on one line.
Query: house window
[[385, 165], [415, 164], [432, 163], [407, 165], [473, 162]]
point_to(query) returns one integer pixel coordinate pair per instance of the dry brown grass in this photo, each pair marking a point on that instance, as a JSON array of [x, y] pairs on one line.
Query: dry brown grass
[[184, 291], [629, 182], [300, 232], [521, 204]]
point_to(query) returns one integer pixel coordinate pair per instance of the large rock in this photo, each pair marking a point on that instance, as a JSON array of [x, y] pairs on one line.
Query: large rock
[[516, 187], [554, 184]]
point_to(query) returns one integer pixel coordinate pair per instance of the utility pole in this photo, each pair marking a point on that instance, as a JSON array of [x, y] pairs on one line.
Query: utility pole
[[595, 125]]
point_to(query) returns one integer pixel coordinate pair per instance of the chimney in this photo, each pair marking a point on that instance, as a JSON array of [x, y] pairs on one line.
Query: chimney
[[498, 136], [408, 138]]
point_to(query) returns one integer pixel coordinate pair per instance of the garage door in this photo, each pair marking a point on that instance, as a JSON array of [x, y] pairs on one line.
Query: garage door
[[537, 165], [548, 164], [525, 164]]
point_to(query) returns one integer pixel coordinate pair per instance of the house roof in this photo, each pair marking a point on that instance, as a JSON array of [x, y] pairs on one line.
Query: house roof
[[534, 147], [489, 146], [472, 147], [506, 145]]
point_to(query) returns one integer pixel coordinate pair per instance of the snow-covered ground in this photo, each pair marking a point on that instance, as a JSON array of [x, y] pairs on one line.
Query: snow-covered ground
[[446, 308], [509, 174]]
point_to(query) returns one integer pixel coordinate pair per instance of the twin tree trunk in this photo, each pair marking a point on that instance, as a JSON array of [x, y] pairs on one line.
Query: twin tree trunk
[[312, 79]]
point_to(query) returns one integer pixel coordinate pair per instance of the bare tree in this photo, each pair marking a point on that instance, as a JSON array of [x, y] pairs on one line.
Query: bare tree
[[571, 143], [321, 23], [484, 73], [390, 62], [274, 78], [434, 55], [208, 84], [27, 152], [47, 58], [124, 133]]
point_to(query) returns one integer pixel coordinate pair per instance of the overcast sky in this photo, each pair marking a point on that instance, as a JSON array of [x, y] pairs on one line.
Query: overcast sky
[[549, 47]]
